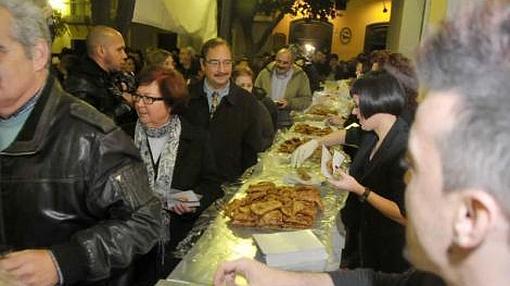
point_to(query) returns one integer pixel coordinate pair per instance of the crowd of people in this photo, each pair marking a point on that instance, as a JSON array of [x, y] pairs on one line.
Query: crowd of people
[[93, 150]]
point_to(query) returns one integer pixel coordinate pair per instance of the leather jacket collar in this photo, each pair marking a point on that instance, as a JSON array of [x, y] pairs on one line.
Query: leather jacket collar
[[38, 123]]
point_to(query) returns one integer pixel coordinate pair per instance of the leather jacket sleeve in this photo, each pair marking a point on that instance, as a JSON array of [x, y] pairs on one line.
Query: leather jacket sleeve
[[83, 89], [368, 277], [127, 213]]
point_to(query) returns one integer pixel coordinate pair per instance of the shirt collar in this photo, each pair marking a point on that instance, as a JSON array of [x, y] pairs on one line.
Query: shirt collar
[[28, 106], [282, 76], [209, 90]]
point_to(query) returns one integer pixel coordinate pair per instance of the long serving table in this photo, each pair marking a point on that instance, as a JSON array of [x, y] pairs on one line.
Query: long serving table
[[220, 241]]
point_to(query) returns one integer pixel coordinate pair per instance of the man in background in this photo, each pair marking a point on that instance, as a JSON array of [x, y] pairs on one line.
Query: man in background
[[287, 85], [96, 79]]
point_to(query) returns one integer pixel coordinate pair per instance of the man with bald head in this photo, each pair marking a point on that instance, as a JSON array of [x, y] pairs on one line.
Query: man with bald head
[[106, 46], [92, 80], [287, 84]]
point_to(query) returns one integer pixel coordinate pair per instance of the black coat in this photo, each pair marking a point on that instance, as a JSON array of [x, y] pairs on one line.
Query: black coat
[[261, 95], [74, 183], [368, 277], [235, 133], [195, 170], [89, 82], [195, 167], [381, 240]]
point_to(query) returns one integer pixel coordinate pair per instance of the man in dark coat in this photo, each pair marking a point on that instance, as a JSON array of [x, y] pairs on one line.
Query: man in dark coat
[[75, 204], [228, 112]]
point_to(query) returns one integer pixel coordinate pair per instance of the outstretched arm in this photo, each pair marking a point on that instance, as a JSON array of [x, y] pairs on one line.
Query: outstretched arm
[[258, 274]]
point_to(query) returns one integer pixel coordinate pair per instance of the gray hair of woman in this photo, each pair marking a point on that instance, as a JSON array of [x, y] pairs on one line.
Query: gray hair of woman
[[156, 57]]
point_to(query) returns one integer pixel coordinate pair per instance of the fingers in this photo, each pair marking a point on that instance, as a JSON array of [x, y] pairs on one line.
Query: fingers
[[181, 208], [30, 267], [295, 159], [176, 209], [341, 174], [225, 274], [11, 262], [303, 152]]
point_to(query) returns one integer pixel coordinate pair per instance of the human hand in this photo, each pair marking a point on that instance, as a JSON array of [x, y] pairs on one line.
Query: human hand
[[30, 267], [128, 97], [7, 279], [347, 182], [303, 152], [282, 104], [256, 273], [182, 208]]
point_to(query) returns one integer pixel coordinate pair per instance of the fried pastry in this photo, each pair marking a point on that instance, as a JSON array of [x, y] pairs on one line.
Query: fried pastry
[[264, 207], [276, 207]]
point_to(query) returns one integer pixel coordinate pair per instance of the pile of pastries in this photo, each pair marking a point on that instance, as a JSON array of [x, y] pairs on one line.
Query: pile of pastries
[[321, 110], [311, 130], [289, 145], [269, 206]]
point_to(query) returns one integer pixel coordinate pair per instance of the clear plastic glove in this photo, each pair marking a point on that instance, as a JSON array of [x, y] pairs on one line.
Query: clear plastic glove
[[303, 152]]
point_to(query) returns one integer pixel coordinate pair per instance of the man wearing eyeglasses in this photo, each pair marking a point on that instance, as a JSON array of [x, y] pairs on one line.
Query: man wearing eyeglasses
[[227, 111], [287, 84]]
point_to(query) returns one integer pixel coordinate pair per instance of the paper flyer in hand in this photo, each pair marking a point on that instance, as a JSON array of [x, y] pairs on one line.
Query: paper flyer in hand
[[189, 198], [330, 164]]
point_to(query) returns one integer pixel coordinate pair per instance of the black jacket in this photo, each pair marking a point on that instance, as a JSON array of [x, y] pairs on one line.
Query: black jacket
[[368, 277], [195, 167], [378, 240], [74, 183], [234, 131], [89, 82], [195, 170], [261, 95]]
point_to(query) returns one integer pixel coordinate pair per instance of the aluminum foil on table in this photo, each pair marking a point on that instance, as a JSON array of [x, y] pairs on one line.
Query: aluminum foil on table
[[213, 240], [221, 241], [334, 103]]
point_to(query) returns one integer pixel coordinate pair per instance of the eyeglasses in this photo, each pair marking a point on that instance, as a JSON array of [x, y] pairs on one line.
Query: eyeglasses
[[216, 63], [146, 99], [282, 62]]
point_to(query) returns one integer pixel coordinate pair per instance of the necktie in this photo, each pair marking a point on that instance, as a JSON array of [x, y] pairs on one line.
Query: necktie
[[215, 101]]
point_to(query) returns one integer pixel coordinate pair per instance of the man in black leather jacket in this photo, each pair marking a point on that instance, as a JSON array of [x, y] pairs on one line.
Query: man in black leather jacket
[[95, 79], [75, 204]]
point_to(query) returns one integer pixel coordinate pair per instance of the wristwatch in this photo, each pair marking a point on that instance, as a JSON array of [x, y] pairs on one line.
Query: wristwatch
[[365, 195]]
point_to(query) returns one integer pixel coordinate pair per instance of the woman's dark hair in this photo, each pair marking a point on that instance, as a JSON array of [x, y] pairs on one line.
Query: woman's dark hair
[[379, 92], [403, 69], [172, 86]]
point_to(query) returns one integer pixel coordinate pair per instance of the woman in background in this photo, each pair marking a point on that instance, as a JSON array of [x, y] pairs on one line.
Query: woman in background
[[243, 77], [267, 114], [159, 58]]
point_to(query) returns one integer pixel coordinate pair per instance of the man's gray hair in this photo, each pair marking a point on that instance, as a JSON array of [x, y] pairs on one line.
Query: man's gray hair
[[28, 25], [470, 57], [190, 49]]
